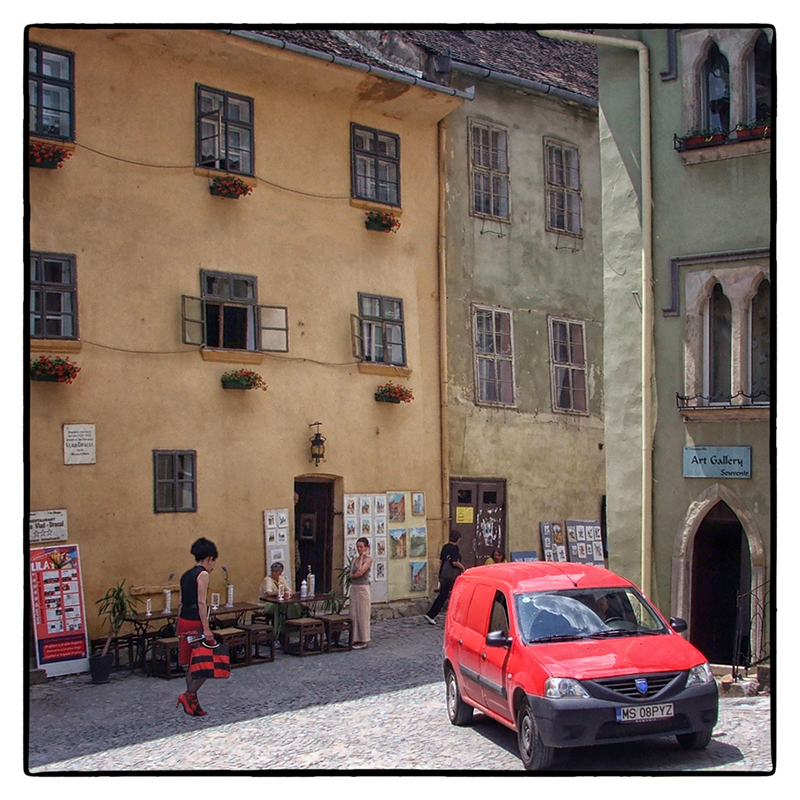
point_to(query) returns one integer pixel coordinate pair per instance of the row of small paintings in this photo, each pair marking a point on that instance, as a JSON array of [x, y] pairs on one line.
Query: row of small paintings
[[575, 540]]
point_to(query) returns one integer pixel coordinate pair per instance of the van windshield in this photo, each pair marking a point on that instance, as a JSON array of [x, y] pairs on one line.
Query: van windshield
[[585, 613]]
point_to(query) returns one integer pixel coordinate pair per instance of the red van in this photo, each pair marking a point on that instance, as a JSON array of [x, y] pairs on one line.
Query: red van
[[569, 655]]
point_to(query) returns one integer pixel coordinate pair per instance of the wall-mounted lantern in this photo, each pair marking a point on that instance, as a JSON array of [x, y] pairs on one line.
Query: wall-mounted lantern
[[317, 445]]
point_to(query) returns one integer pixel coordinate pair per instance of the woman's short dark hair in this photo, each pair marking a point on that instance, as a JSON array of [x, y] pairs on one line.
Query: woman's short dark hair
[[454, 536], [203, 549], [363, 540]]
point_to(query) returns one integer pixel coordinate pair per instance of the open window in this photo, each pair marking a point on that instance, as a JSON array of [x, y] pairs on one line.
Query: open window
[[378, 330], [227, 316], [224, 131]]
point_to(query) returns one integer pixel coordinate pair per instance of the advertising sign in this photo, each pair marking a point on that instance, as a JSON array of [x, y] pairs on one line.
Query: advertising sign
[[48, 526], [716, 462], [59, 616]]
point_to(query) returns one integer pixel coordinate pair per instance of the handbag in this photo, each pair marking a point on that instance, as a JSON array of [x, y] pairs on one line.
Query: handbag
[[210, 661], [449, 572]]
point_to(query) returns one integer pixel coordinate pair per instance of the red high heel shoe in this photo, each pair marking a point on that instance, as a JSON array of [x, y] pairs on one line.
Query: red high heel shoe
[[184, 701], [198, 712]]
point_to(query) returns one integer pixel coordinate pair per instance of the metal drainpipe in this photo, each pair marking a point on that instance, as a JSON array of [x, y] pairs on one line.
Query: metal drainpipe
[[443, 409], [647, 283]]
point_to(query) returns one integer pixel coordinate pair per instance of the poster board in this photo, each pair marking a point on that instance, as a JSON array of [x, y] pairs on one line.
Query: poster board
[[365, 515], [277, 541], [554, 541], [58, 611], [585, 541]]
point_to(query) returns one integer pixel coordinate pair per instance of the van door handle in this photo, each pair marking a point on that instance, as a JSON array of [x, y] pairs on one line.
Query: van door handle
[[483, 655], [460, 642]]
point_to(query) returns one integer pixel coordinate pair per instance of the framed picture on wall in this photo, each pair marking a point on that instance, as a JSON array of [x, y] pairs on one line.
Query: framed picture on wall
[[418, 504], [308, 527]]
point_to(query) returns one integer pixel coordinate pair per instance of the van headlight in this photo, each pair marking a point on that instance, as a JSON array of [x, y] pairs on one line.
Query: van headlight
[[699, 674], [564, 687]]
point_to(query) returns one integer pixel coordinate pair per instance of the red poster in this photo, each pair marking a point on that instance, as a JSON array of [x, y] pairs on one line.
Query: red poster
[[59, 617]]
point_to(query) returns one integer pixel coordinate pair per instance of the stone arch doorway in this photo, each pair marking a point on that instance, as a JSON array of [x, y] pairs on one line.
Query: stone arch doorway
[[718, 555]]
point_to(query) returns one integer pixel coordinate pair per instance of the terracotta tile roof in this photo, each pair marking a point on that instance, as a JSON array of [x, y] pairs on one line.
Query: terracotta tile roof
[[517, 51]]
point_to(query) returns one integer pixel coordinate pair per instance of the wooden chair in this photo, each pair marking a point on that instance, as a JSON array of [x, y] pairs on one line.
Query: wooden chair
[[259, 635], [164, 657], [118, 644], [335, 626], [310, 632]]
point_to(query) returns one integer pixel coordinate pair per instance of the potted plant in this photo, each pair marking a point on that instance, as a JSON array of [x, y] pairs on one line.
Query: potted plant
[[699, 137], [47, 156], [54, 369], [229, 186], [243, 379], [393, 393], [383, 221], [117, 607]]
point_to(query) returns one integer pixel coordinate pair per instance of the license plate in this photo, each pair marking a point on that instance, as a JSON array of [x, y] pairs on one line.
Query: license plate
[[645, 713]]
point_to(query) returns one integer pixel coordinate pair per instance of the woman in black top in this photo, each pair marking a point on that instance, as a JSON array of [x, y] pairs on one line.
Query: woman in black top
[[449, 570], [193, 618]]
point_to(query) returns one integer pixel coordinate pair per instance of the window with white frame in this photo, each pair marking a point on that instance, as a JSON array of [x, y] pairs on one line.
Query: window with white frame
[[224, 131], [493, 339], [228, 316], [489, 170], [563, 187], [727, 350], [378, 330], [568, 365]]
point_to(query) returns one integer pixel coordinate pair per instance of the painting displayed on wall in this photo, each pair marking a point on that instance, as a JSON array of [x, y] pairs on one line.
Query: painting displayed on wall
[[554, 543], [417, 542], [270, 519], [308, 527], [397, 543], [418, 504], [350, 527], [379, 566], [350, 504], [365, 507], [419, 576], [397, 506], [585, 541], [380, 547], [379, 508]]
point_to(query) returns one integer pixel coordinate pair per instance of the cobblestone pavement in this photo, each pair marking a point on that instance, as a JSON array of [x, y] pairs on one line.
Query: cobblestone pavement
[[382, 708]]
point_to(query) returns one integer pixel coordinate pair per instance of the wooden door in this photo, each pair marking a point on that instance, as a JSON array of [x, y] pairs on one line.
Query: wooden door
[[478, 513]]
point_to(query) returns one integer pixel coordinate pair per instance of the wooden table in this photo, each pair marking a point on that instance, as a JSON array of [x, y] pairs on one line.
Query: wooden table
[[142, 623], [308, 605]]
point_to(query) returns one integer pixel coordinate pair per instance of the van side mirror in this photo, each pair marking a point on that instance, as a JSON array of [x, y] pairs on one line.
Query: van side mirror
[[677, 624], [498, 639]]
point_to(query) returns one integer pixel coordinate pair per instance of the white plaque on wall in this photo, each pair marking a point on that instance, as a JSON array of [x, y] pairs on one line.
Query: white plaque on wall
[[80, 446], [48, 526]]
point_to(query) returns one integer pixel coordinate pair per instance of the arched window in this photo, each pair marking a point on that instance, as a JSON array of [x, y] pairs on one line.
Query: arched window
[[719, 346], [759, 99], [760, 346], [716, 91]]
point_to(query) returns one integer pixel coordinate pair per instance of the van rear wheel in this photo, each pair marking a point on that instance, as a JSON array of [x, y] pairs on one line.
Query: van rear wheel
[[457, 710], [534, 753]]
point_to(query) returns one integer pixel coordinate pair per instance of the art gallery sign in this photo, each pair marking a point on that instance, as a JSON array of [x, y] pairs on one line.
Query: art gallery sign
[[716, 462]]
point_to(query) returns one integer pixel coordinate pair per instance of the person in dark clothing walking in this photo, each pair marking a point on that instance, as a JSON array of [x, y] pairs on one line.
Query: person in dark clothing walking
[[451, 567]]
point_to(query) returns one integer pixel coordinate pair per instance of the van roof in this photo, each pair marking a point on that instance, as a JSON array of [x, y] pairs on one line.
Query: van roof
[[537, 576]]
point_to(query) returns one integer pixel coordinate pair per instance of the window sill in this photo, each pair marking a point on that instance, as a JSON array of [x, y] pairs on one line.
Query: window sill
[[67, 144], [206, 172], [56, 345], [368, 368], [231, 356], [725, 150], [726, 414], [375, 205]]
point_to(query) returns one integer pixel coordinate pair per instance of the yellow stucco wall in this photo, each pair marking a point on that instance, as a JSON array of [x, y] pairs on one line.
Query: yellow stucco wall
[[140, 220]]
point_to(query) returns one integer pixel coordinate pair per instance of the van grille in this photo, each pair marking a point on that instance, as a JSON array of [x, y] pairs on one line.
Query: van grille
[[626, 685]]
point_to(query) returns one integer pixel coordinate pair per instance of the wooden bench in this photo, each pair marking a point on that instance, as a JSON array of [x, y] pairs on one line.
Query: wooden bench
[[259, 634], [163, 652], [335, 626], [310, 632]]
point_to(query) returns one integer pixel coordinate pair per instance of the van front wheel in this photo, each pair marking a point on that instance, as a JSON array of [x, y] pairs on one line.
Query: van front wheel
[[534, 753]]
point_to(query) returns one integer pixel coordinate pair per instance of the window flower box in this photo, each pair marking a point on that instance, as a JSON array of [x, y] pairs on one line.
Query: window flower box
[[695, 139], [755, 130], [230, 187], [243, 379], [54, 369], [392, 393], [47, 156], [383, 221]]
